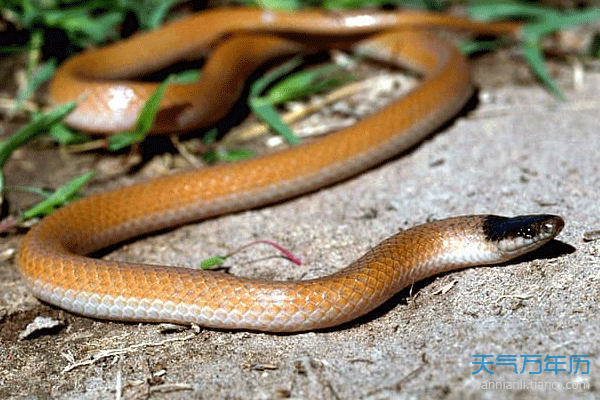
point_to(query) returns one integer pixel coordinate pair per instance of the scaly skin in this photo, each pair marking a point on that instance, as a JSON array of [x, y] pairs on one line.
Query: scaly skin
[[52, 257]]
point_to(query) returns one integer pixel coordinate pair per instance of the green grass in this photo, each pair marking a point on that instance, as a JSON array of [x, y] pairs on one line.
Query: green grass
[[96, 22], [217, 261], [542, 21], [41, 123]]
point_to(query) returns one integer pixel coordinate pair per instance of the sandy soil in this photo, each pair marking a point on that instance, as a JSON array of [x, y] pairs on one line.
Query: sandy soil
[[519, 151]]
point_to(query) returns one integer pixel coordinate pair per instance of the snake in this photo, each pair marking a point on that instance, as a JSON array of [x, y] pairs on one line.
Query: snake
[[54, 258]]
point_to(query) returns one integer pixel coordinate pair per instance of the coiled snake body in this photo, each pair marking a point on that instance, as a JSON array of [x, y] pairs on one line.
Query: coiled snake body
[[52, 257]]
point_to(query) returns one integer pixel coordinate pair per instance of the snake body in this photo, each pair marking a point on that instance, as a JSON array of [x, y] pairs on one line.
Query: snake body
[[53, 258]]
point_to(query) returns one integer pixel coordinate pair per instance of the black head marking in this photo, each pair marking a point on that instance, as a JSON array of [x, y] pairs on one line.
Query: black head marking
[[497, 228]]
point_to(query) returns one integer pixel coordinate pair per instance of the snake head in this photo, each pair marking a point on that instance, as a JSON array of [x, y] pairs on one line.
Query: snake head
[[519, 235]]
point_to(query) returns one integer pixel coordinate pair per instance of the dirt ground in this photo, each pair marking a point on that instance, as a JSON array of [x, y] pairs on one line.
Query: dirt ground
[[519, 151]]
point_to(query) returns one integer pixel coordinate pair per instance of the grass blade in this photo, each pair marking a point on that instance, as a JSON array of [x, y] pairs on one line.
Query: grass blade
[[40, 124], [61, 196], [144, 121]]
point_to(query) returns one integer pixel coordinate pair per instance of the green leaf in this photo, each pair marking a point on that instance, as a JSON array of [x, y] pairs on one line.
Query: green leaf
[[210, 136], [279, 4], [40, 124], [267, 113], [81, 26], [263, 109], [261, 84], [533, 54], [189, 76], [65, 135], [150, 13], [34, 51], [84, 29], [62, 195], [144, 121], [158, 13], [469, 47], [146, 118], [43, 73], [212, 262], [299, 84], [307, 82], [505, 10], [121, 140], [294, 86], [13, 48]]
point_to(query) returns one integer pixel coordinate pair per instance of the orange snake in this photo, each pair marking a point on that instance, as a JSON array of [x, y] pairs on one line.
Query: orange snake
[[52, 257]]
